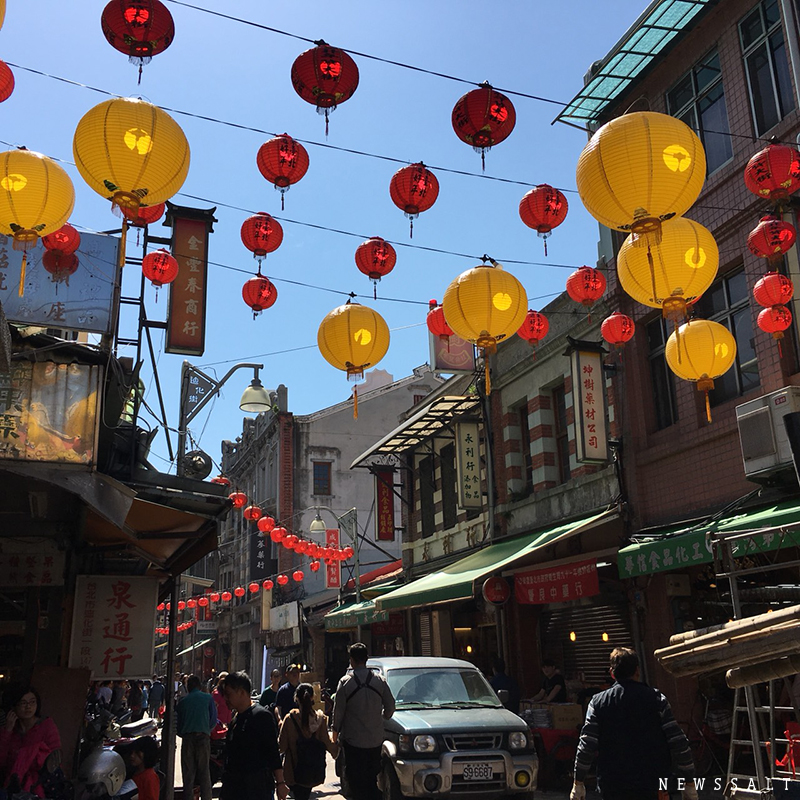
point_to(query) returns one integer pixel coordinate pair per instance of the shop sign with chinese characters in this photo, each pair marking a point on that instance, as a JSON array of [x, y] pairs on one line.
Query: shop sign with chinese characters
[[589, 397], [48, 412], [468, 465], [384, 502], [195, 387], [82, 301], [454, 357], [333, 571], [570, 582], [25, 563], [259, 566], [113, 634]]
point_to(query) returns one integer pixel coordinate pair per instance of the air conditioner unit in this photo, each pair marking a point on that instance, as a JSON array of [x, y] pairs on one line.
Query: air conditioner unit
[[762, 433]]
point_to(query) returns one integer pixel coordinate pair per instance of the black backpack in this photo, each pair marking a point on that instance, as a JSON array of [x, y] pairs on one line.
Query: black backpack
[[309, 765]]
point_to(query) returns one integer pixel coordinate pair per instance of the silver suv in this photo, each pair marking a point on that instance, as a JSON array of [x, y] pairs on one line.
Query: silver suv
[[450, 735]]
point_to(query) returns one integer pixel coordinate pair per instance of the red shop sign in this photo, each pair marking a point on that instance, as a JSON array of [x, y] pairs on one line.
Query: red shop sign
[[570, 582], [496, 591]]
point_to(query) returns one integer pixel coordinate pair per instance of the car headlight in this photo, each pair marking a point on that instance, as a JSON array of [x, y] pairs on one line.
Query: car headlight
[[424, 744], [517, 740]]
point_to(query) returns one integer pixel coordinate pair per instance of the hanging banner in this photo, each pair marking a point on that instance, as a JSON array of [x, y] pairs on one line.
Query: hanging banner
[[468, 465], [384, 505], [186, 318], [259, 565], [454, 356], [589, 399], [114, 621], [333, 571], [570, 582]]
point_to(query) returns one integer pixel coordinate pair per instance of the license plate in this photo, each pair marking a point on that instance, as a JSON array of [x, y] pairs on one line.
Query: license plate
[[478, 772]]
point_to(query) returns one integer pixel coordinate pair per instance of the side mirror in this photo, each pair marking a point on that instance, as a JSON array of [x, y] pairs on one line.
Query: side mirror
[[503, 696]]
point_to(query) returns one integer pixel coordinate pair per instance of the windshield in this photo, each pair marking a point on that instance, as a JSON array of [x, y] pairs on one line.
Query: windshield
[[437, 688]]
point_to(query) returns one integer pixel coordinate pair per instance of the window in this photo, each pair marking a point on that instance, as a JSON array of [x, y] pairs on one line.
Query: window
[[698, 99], [561, 431], [525, 440], [766, 65], [427, 488], [447, 459], [727, 302], [322, 477], [418, 398], [661, 376]]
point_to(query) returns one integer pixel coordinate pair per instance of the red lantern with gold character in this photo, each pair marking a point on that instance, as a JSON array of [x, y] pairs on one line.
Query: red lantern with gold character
[[775, 320], [534, 329], [266, 524], [543, 208], [773, 289], [277, 534], [586, 286], [774, 172], [259, 293], [159, 267], [414, 189], [772, 238], [252, 513], [261, 234], [283, 162], [65, 240], [483, 118], [618, 329], [375, 258], [238, 499]]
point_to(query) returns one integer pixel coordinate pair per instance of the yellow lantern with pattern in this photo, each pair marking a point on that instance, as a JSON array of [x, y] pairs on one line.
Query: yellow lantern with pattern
[[639, 170], [673, 272], [36, 198], [700, 351], [484, 305], [131, 152]]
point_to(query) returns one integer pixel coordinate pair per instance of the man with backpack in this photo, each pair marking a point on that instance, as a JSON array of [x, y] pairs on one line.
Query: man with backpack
[[363, 701]]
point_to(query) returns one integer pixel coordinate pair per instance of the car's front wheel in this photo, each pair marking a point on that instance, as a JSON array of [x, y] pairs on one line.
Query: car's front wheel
[[390, 783]]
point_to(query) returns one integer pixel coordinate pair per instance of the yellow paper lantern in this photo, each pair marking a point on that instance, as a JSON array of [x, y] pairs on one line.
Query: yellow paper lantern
[[700, 351], [2, 12], [131, 152], [484, 305], [673, 272], [36, 198], [639, 170], [353, 337]]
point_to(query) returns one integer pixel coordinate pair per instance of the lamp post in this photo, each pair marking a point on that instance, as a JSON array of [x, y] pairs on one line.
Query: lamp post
[[255, 398]]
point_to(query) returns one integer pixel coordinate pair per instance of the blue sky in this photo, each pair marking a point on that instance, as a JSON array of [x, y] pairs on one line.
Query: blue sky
[[240, 74]]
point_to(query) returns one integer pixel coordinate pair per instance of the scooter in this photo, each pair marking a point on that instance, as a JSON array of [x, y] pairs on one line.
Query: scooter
[[217, 759]]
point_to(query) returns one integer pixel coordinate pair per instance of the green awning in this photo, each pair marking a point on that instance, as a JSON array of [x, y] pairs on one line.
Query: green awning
[[662, 24], [195, 646], [351, 615], [456, 582], [682, 547]]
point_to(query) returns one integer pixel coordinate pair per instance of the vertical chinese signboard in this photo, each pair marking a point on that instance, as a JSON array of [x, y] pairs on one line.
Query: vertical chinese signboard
[[468, 465], [589, 398], [570, 582], [186, 323], [333, 571], [113, 626], [384, 503], [259, 566]]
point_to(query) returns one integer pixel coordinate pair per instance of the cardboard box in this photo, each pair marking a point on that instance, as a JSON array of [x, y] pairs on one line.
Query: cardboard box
[[566, 716]]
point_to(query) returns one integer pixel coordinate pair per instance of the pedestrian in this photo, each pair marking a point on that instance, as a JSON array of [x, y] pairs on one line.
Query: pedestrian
[[284, 700], [155, 699], [197, 716], [303, 742], [630, 730], [363, 701], [143, 759], [104, 693], [181, 690], [253, 768], [223, 712], [269, 694], [135, 699], [554, 687], [502, 682]]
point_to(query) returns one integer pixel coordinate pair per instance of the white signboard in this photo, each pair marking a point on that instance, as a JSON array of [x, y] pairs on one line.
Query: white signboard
[[468, 465], [589, 395], [113, 626], [285, 617], [207, 627]]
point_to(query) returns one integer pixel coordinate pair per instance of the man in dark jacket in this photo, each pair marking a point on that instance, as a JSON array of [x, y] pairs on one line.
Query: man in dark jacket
[[630, 730]]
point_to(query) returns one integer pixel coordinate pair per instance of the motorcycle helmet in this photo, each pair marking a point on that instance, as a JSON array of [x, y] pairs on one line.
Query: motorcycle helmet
[[102, 770]]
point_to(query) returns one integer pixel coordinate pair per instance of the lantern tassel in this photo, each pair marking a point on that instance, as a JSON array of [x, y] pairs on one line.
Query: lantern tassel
[[139, 82], [355, 402], [487, 374], [283, 195], [22, 273], [483, 159], [411, 227], [374, 290], [708, 407], [652, 270], [326, 123], [545, 247]]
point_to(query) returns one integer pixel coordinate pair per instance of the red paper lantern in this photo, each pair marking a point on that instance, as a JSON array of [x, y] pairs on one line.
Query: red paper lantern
[[298, 576], [239, 591], [618, 329], [6, 81], [347, 553], [139, 28], [259, 293], [168, 606], [160, 607], [214, 597], [253, 513], [586, 285], [543, 208], [221, 480], [325, 76], [65, 240], [414, 189], [534, 328], [302, 546], [238, 499], [60, 265], [282, 580], [290, 541], [775, 320], [316, 551], [771, 238], [253, 587], [267, 585], [181, 605], [773, 289], [314, 566], [191, 603], [276, 534], [203, 602], [774, 172], [283, 162], [483, 118], [261, 234], [159, 267], [375, 258], [266, 524], [226, 596], [143, 215], [436, 322], [328, 553]]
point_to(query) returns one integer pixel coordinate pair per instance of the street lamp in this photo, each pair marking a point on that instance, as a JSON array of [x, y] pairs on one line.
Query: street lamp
[[317, 525], [255, 397]]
